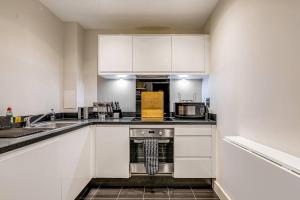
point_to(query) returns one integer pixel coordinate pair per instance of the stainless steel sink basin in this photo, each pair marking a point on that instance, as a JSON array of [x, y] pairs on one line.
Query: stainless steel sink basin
[[53, 125]]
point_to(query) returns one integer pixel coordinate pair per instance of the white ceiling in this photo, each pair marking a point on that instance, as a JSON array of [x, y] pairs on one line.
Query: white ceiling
[[134, 14]]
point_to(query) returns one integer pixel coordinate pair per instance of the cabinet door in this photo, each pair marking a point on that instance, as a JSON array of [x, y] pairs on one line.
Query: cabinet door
[[32, 172], [188, 53], [112, 152], [193, 130], [152, 53], [192, 168], [75, 152], [115, 53], [193, 146], [193, 152]]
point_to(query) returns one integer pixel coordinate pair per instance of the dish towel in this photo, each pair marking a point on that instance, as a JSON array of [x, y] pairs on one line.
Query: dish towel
[[151, 155]]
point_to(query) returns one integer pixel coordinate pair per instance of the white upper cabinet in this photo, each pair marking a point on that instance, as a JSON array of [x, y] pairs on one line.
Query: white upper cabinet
[[190, 53], [115, 53], [152, 53]]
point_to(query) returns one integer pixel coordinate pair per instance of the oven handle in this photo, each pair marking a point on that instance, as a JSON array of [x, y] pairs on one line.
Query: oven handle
[[159, 141]]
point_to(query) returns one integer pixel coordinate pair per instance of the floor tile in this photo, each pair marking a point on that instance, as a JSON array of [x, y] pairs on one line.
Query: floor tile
[[210, 198], [202, 190], [181, 193], [131, 193], [107, 193], [104, 199], [151, 193], [156, 199], [156, 193], [183, 198], [202, 195], [207, 198], [91, 193]]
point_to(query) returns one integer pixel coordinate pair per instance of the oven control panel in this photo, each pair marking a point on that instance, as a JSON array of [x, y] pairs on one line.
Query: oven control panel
[[157, 132]]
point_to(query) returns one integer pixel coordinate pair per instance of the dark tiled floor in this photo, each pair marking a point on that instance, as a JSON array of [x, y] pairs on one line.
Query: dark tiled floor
[[144, 193]]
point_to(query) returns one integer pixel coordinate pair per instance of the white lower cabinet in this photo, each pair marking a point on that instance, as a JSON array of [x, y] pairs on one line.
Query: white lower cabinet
[[54, 169], [76, 160], [112, 151], [59, 168], [194, 152], [32, 172], [193, 168], [193, 146]]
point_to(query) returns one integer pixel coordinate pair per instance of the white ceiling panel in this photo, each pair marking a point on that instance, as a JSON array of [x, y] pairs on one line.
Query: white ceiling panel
[[134, 14]]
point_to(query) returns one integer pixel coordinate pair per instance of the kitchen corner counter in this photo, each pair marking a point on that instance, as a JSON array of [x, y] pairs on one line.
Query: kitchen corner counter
[[10, 144]]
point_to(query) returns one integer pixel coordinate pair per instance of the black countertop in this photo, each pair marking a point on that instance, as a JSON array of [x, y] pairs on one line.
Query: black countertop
[[129, 120], [9, 144]]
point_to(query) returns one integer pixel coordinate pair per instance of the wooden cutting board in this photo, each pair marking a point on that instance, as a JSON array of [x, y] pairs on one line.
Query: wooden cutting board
[[152, 105]]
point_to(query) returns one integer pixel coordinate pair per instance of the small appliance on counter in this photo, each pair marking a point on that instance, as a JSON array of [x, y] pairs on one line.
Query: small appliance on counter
[[191, 110], [84, 112], [108, 110], [102, 110]]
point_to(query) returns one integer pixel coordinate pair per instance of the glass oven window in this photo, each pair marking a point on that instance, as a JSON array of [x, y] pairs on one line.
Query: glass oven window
[[165, 152]]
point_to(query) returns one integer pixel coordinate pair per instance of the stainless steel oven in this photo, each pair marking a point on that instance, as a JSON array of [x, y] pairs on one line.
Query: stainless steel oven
[[165, 138]]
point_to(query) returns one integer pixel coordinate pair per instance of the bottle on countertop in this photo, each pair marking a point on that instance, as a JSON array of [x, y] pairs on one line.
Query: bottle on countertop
[[207, 106], [52, 117], [9, 114]]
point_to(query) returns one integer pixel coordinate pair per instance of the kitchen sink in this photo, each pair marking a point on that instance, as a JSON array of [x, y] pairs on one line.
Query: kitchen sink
[[20, 132], [52, 125]]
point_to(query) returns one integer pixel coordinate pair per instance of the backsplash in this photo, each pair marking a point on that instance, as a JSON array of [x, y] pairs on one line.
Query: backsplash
[[117, 90], [186, 89], [124, 91]]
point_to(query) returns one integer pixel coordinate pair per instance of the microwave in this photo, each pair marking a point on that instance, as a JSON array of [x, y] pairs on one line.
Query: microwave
[[190, 110]]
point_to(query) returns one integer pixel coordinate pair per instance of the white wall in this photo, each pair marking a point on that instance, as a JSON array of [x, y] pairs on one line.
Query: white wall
[[90, 67], [255, 75], [205, 89], [31, 54], [73, 66]]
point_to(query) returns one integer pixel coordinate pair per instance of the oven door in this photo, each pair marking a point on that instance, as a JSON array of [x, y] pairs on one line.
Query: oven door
[[165, 153]]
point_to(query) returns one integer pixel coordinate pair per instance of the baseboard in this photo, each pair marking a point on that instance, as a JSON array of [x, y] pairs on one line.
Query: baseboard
[[85, 190], [220, 192]]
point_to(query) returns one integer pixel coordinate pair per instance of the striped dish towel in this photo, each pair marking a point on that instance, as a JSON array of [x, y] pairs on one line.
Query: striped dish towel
[[151, 155]]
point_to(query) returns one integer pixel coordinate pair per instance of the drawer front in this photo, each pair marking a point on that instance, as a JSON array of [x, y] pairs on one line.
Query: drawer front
[[192, 168], [193, 146], [193, 130]]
